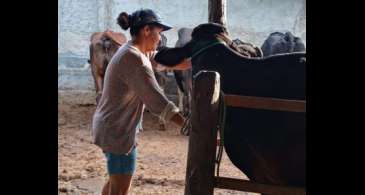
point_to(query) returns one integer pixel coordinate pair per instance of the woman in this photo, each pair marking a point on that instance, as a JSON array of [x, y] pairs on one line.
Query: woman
[[129, 86]]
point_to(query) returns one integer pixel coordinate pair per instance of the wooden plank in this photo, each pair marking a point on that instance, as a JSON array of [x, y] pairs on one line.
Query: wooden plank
[[248, 186], [203, 136], [265, 103]]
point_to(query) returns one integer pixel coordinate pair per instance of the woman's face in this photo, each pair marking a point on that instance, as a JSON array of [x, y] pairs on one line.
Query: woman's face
[[152, 37]]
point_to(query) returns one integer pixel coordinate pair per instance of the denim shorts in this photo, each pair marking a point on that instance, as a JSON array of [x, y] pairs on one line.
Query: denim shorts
[[121, 163]]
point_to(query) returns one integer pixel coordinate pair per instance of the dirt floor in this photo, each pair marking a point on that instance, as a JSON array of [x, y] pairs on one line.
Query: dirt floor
[[161, 161]]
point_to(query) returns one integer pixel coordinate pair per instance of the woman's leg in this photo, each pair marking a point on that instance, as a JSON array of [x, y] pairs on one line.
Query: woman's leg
[[106, 188], [120, 169], [120, 184]]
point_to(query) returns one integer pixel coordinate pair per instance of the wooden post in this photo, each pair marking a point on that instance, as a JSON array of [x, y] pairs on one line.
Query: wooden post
[[217, 11], [203, 136]]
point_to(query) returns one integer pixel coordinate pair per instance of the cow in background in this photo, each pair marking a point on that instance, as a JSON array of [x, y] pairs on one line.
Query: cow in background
[[279, 42], [103, 46]]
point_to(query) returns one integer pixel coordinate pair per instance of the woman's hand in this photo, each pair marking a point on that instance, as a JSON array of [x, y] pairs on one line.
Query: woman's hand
[[178, 119], [184, 65]]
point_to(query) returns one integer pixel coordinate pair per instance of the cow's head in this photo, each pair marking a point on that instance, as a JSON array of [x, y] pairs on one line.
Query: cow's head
[[208, 31], [184, 36], [203, 36]]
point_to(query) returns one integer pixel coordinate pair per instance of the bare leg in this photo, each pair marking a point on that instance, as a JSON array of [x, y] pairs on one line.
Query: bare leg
[[106, 188], [118, 184]]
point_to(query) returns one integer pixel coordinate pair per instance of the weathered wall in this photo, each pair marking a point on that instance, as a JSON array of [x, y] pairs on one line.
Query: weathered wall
[[249, 20]]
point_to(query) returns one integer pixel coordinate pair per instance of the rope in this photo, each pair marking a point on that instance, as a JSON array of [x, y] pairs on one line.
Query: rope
[[220, 126], [215, 42], [186, 126]]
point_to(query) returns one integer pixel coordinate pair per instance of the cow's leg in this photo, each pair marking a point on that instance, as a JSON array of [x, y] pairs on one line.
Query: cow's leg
[[161, 81], [180, 99], [162, 126], [178, 74], [97, 89], [98, 81], [99, 85], [93, 64], [186, 104]]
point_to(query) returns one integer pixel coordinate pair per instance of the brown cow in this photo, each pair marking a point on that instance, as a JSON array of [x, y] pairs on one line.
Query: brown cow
[[102, 48]]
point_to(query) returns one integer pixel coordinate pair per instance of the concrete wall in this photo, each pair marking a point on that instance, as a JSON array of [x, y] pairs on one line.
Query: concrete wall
[[249, 20]]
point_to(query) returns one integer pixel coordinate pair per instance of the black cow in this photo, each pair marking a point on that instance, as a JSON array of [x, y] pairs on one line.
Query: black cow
[[279, 42], [267, 146]]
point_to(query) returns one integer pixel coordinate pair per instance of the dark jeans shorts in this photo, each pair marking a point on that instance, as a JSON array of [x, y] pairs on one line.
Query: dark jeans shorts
[[121, 163]]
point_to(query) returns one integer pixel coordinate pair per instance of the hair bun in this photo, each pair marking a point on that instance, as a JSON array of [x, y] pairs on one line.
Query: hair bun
[[124, 20]]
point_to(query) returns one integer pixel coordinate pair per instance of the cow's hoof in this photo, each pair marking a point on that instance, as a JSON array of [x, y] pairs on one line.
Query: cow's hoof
[[162, 127]]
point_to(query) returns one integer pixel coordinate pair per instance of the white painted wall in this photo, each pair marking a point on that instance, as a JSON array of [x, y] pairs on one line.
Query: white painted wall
[[249, 20]]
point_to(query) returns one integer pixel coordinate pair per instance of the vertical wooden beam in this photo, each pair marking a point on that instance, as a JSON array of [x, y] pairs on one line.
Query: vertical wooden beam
[[203, 136], [217, 11]]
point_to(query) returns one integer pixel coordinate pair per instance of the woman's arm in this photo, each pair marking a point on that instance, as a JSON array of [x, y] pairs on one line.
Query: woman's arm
[[171, 59], [185, 64]]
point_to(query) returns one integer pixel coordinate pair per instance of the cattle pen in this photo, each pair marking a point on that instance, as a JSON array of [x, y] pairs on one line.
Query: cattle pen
[[201, 162]]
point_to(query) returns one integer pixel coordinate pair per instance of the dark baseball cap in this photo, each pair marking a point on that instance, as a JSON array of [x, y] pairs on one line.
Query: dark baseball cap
[[147, 16]]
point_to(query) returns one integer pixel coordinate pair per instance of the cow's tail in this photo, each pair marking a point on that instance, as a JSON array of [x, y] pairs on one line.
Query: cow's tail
[[91, 53]]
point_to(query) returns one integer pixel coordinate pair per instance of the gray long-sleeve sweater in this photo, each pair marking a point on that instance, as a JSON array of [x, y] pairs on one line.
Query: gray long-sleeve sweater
[[129, 86]]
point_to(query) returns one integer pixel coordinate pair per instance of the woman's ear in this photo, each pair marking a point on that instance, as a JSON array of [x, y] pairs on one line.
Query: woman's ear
[[147, 30]]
